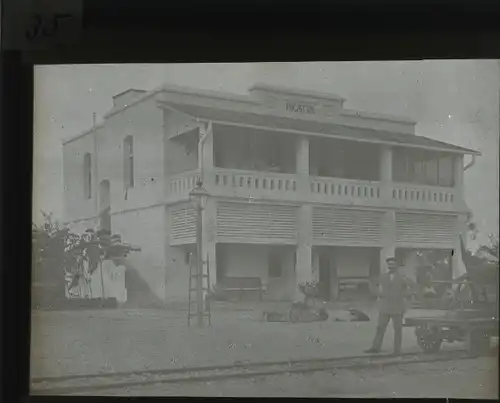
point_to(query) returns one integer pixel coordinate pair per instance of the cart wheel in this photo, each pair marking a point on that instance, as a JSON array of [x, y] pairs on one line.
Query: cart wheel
[[479, 342], [429, 339]]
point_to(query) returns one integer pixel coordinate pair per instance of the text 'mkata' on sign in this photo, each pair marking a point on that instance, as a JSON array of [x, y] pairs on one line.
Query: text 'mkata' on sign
[[299, 108]]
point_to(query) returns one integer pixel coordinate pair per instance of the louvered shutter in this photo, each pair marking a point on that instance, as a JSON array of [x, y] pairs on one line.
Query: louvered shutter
[[241, 222], [350, 227], [425, 229], [182, 224]]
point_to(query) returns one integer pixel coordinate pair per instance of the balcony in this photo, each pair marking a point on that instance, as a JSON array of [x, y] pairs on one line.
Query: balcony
[[253, 185]]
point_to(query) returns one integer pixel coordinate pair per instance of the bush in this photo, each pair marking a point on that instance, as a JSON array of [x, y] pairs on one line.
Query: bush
[[65, 259]]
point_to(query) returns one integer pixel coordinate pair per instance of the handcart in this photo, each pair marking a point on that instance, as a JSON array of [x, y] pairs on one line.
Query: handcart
[[468, 313]]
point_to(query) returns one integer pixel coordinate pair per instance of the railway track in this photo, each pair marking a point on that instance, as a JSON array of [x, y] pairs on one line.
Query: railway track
[[75, 384]]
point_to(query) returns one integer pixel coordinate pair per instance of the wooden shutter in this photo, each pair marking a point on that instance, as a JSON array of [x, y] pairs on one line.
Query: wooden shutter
[[182, 224], [350, 227], [425, 229], [254, 222]]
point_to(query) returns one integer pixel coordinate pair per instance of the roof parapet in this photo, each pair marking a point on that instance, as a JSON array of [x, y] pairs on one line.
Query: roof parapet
[[278, 89]]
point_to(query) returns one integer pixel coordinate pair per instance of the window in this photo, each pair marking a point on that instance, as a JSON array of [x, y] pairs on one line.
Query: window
[[369, 169], [275, 265], [431, 172], [87, 176], [274, 156], [445, 171], [399, 167], [418, 170], [423, 168], [408, 168], [128, 161]]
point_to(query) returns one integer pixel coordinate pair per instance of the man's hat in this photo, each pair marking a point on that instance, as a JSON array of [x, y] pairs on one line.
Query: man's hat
[[392, 260]]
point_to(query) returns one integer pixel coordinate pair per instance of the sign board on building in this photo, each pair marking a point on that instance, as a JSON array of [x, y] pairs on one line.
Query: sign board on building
[[299, 108]]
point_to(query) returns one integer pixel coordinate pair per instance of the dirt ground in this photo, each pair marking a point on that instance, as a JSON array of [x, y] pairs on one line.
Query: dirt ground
[[466, 379], [107, 341]]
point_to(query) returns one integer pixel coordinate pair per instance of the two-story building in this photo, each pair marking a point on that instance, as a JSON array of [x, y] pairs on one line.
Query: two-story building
[[300, 187]]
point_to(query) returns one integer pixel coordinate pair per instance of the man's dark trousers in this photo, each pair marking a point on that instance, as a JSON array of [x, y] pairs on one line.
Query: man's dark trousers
[[383, 321], [392, 307]]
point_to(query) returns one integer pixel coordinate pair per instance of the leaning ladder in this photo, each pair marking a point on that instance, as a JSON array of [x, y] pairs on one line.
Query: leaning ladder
[[193, 274]]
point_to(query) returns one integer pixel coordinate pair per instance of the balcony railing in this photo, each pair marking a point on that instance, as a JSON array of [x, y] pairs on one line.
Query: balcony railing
[[278, 186], [240, 183], [181, 184], [415, 196], [342, 191]]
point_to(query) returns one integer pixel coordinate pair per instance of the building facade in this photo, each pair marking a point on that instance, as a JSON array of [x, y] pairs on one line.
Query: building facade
[[300, 187]]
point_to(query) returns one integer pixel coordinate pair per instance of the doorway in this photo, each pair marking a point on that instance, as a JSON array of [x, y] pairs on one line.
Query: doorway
[[324, 277], [327, 277]]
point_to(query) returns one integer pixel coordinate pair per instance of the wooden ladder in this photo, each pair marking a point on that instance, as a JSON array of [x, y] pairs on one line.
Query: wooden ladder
[[193, 283]]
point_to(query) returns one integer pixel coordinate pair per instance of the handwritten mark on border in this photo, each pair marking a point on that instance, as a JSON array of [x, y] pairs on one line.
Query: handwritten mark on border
[[38, 24]]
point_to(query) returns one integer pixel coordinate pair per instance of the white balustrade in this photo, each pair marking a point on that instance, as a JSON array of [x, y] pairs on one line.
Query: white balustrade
[[337, 188], [278, 186], [255, 183], [412, 194], [181, 184]]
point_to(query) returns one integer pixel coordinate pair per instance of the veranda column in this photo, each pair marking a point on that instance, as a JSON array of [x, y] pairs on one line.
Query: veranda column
[[457, 265], [303, 267], [315, 257], [458, 175], [302, 167], [389, 218], [334, 276], [206, 156], [458, 182], [385, 173]]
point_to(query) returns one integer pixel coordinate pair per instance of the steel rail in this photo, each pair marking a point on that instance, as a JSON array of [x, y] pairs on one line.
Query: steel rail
[[237, 364], [73, 383]]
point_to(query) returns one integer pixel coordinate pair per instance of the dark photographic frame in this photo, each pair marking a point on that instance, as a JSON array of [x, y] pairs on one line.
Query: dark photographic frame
[[118, 32]]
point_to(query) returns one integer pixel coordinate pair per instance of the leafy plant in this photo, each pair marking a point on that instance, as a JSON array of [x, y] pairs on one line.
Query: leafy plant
[[490, 251], [59, 254], [48, 244], [478, 264]]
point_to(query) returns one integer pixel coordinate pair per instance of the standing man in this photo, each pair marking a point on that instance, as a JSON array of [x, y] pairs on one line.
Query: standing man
[[393, 291]]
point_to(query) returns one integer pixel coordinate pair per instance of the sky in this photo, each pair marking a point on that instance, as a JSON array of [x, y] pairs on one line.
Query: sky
[[456, 101]]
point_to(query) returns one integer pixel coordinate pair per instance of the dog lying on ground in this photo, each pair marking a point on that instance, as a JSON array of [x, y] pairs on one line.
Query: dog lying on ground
[[352, 315], [349, 315]]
